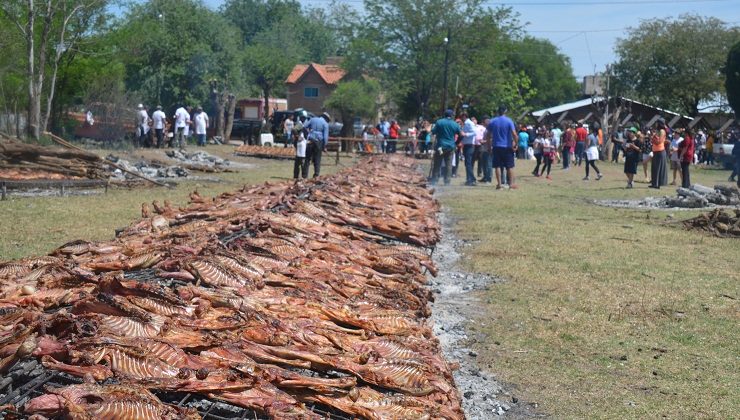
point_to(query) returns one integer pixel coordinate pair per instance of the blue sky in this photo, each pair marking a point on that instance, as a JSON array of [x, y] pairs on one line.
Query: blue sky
[[587, 30]]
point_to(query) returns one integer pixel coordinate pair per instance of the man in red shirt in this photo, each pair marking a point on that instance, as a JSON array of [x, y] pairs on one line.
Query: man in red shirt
[[581, 134]]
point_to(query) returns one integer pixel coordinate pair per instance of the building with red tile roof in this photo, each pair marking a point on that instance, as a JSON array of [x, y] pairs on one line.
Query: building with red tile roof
[[308, 85]]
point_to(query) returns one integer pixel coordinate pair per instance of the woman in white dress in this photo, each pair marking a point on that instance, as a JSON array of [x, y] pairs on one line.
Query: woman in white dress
[[592, 154]]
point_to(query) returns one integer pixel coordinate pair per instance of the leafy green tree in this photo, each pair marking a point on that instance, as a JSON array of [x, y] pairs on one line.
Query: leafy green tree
[[674, 63], [173, 49], [549, 71], [732, 77], [49, 29], [278, 34], [354, 98]]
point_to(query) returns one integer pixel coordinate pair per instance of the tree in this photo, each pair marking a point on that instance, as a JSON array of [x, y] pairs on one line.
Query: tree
[[674, 63], [271, 49], [732, 77], [549, 71], [354, 98], [44, 26]]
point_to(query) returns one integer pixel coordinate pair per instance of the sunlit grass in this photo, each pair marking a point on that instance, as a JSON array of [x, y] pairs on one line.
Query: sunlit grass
[[607, 313]]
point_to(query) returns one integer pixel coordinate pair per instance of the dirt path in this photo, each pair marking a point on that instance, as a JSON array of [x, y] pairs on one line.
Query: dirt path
[[457, 303]]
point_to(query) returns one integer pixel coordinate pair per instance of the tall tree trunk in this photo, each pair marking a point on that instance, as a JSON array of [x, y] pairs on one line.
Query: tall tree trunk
[[32, 121], [230, 108], [266, 90]]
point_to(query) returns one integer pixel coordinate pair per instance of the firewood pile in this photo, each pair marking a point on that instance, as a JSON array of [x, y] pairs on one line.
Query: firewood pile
[[265, 152], [277, 298], [723, 223], [22, 161], [698, 196]]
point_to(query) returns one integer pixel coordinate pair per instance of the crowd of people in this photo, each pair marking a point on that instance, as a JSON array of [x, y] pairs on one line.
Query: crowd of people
[[159, 131]]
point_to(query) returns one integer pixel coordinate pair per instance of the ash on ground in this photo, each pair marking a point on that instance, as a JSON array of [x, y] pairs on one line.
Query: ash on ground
[[147, 169], [455, 306], [695, 197], [204, 161]]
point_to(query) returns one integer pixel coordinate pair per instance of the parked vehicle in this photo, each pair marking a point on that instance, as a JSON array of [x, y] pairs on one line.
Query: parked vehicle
[[277, 118], [723, 154]]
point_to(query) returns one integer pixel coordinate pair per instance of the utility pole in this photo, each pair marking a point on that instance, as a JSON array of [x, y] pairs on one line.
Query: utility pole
[[446, 68]]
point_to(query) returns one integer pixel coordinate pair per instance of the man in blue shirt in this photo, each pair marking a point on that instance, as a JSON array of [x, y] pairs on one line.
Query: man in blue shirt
[[318, 136], [502, 132], [445, 130]]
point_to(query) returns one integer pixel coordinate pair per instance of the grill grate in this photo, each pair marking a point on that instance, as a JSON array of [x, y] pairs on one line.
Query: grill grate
[[34, 386], [227, 239], [149, 275]]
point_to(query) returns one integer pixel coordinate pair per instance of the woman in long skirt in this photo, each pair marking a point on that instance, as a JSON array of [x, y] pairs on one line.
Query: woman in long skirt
[[658, 170]]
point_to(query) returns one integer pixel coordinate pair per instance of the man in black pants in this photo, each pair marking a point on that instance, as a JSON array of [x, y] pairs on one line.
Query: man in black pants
[[318, 136]]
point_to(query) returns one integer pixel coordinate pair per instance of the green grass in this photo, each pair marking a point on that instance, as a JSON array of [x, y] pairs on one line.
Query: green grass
[[37, 225], [606, 313]]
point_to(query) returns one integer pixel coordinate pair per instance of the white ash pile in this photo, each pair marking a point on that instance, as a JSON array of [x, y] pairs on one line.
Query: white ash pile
[[699, 196], [200, 161], [147, 169]]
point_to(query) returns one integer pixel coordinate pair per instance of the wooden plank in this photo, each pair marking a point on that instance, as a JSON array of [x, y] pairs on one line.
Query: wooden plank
[[673, 121], [695, 121], [726, 125], [626, 119], [544, 115], [652, 121], [562, 116]]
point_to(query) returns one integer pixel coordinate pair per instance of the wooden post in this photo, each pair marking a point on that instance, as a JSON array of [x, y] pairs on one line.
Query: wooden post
[[336, 160], [5, 191], [62, 190]]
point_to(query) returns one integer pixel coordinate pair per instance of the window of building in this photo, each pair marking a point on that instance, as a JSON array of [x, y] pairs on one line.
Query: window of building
[[311, 92]]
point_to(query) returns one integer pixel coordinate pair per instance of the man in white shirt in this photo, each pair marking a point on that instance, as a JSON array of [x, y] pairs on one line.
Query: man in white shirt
[[142, 126], [468, 149], [158, 121], [201, 124], [182, 121]]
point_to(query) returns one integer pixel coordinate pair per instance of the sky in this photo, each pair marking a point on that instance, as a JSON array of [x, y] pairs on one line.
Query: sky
[[587, 30]]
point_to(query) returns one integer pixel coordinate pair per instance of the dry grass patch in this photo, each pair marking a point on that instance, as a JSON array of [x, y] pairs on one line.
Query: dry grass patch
[[607, 312]]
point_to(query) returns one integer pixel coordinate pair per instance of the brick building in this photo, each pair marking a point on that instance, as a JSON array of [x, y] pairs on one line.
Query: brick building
[[308, 85]]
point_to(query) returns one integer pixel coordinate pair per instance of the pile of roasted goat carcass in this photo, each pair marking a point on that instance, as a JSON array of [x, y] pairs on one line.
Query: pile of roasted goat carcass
[[272, 298], [265, 151]]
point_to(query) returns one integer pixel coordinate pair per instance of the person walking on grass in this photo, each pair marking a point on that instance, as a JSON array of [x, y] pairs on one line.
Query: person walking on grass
[[201, 125], [581, 135], [569, 143], [592, 154], [521, 152], [632, 154], [468, 144], [486, 153], [658, 173], [537, 149], [158, 122], [686, 151], [502, 134], [445, 131], [318, 136], [182, 119], [549, 151]]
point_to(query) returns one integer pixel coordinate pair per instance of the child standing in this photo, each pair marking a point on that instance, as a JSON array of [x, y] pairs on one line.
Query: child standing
[[299, 142]]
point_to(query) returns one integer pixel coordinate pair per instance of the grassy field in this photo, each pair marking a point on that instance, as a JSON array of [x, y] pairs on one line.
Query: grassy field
[[34, 226], [605, 313]]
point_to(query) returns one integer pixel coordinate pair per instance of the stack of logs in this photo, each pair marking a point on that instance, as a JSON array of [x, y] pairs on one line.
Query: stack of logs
[[723, 223], [22, 161], [265, 152], [698, 196]]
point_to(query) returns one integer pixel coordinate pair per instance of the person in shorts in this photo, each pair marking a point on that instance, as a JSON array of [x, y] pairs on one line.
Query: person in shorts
[[676, 140], [502, 132], [646, 150]]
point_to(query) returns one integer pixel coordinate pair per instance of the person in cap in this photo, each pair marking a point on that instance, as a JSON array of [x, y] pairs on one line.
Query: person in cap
[[201, 125], [632, 155], [445, 131], [158, 122], [318, 137], [142, 126], [502, 132]]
